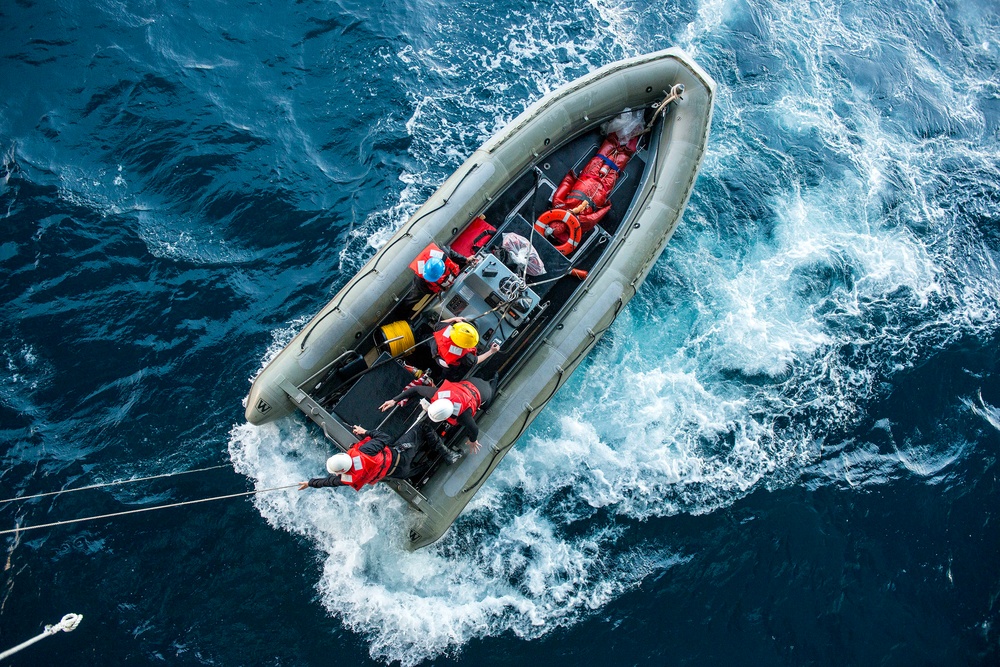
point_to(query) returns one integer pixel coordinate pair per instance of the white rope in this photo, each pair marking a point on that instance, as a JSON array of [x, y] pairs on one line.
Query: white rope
[[143, 509], [124, 481], [673, 96], [67, 624]]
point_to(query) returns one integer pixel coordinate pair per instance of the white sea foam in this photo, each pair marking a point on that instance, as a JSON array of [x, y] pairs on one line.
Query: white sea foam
[[280, 338], [710, 16], [982, 409], [168, 237], [22, 371], [526, 578]]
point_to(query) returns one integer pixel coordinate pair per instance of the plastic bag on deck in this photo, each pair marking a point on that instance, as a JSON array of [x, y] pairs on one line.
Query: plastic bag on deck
[[625, 125], [521, 252]]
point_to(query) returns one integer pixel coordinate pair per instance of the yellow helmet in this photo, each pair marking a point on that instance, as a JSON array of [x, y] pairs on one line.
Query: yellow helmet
[[464, 335]]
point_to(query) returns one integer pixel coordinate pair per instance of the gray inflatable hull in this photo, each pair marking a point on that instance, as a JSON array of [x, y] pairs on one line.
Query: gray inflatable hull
[[676, 153]]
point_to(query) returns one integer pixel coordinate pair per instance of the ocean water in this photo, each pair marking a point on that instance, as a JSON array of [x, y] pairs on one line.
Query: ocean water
[[784, 452]]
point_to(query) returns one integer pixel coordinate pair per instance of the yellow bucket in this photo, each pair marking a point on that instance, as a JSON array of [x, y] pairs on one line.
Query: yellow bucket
[[398, 336]]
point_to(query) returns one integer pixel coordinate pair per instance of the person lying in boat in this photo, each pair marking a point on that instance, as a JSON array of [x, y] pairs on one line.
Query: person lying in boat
[[373, 458], [453, 402], [434, 270], [586, 195], [453, 347]]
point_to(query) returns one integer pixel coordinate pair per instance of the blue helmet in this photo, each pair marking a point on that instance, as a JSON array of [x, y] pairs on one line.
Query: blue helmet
[[433, 269]]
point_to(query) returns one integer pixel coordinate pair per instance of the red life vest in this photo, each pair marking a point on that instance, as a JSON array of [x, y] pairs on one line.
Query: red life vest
[[366, 469], [448, 353], [450, 268], [463, 395]]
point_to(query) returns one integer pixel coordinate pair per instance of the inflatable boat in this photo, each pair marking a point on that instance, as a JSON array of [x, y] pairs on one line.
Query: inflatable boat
[[362, 348]]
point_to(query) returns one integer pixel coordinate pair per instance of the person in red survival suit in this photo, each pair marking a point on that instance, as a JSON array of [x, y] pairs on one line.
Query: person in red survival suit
[[586, 195], [374, 458]]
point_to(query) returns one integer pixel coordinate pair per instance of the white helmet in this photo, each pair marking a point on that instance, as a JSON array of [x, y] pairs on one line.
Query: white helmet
[[338, 464], [440, 410]]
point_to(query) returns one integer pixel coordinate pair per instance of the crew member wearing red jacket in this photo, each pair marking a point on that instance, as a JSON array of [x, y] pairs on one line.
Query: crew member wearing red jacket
[[373, 458], [453, 347], [434, 270], [453, 402], [586, 195]]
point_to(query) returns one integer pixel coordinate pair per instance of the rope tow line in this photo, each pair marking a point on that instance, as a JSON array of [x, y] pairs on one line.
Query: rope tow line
[[124, 481], [145, 509], [67, 624]]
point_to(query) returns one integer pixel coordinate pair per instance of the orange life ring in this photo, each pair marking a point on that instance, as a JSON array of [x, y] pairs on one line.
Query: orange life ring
[[571, 221]]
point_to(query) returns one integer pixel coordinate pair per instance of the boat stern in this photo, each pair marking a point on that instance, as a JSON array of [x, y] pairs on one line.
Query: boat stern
[[266, 400]]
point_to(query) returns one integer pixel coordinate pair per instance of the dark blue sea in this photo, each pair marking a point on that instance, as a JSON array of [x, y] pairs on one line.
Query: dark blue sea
[[784, 452]]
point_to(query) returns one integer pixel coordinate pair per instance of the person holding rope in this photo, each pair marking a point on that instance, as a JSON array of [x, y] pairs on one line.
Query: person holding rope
[[373, 458]]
